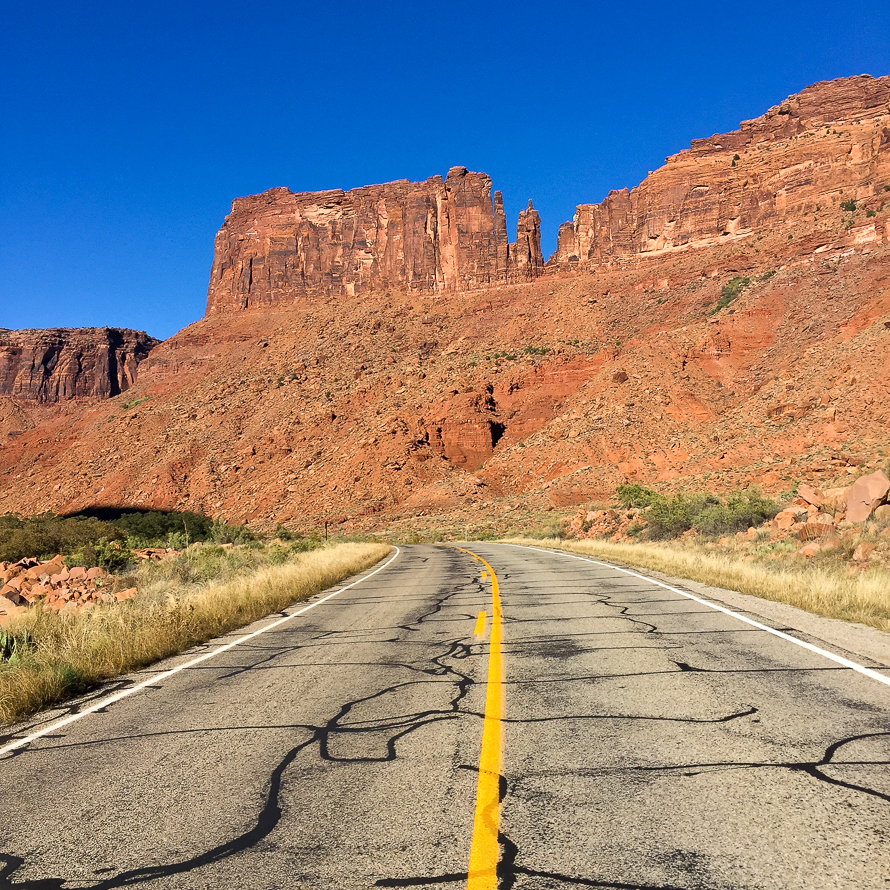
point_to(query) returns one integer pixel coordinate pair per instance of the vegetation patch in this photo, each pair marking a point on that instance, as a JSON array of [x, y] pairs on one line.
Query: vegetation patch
[[132, 404], [670, 517], [204, 592], [103, 537], [729, 292]]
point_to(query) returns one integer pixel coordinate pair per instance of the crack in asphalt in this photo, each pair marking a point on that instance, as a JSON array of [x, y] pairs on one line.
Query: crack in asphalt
[[440, 666], [321, 736]]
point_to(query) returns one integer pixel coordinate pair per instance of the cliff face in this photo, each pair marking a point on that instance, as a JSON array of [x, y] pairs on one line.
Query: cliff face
[[419, 237], [827, 144], [538, 393], [62, 364]]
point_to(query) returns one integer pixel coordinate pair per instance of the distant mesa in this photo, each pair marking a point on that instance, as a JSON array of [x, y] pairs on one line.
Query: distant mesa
[[724, 323], [727, 187], [436, 236], [442, 236], [62, 364]]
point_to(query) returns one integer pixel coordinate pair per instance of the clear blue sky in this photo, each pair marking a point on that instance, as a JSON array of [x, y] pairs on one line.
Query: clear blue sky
[[126, 129]]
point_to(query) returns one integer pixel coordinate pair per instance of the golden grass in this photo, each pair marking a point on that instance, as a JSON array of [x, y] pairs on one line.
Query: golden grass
[[827, 590], [170, 614]]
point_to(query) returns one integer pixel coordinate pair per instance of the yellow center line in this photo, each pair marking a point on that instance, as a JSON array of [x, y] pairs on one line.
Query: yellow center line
[[484, 849], [480, 625]]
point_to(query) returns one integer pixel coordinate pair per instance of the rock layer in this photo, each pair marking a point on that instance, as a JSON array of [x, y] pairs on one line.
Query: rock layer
[[60, 364], [826, 145], [418, 237]]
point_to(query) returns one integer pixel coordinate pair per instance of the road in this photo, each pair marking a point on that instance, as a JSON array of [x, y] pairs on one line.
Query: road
[[646, 740]]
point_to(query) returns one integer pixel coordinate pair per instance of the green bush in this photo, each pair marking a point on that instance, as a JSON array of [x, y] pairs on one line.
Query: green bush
[[848, 206], [91, 537], [223, 533], [304, 543], [635, 495], [153, 528], [670, 517], [45, 536], [104, 554], [729, 292], [734, 287]]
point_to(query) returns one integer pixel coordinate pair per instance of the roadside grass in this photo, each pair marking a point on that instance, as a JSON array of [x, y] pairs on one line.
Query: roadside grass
[[823, 589], [202, 593]]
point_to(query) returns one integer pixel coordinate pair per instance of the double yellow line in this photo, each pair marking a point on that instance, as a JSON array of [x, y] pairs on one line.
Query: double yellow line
[[484, 850]]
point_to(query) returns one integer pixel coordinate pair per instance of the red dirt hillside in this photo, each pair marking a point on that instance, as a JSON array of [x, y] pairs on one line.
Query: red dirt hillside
[[725, 322]]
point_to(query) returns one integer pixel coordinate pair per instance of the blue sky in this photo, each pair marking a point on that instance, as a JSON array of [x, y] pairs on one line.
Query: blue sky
[[127, 129]]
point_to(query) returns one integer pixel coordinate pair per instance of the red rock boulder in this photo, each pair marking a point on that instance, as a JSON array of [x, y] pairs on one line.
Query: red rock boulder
[[866, 494]]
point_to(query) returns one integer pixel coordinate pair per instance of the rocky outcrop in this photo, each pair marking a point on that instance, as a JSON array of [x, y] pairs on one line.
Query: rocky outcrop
[[826, 145], [525, 261], [418, 237], [60, 364]]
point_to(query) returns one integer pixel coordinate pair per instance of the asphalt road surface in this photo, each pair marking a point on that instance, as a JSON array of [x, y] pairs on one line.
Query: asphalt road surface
[[646, 741]]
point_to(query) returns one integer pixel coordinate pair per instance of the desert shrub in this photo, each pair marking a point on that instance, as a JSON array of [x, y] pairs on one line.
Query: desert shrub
[[734, 287], [670, 517], [223, 533], [298, 542], [635, 495], [848, 206], [730, 292], [740, 510], [45, 536], [92, 538], [108, 555], [554, 530], [153, 528], [15, 646]]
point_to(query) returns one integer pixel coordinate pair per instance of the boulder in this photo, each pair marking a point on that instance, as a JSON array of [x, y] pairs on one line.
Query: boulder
[[813, 530], [865, 494], [836, 499], [862, 552], [811, 495]]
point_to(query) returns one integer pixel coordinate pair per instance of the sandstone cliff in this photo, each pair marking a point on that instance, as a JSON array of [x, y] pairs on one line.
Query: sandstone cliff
[[728, 362], [828, 144], [418, 237], [61, 364]]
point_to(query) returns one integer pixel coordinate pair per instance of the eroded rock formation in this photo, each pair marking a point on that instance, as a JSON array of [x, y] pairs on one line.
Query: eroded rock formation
[[419, 237], [828, 144], [61, 364]]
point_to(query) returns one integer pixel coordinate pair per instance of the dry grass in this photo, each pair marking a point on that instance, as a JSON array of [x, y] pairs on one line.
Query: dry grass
[[827, 590], [181, 603]]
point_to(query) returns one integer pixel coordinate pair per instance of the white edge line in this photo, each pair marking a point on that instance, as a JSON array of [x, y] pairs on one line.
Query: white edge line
[[868, 672], [151, 681]]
